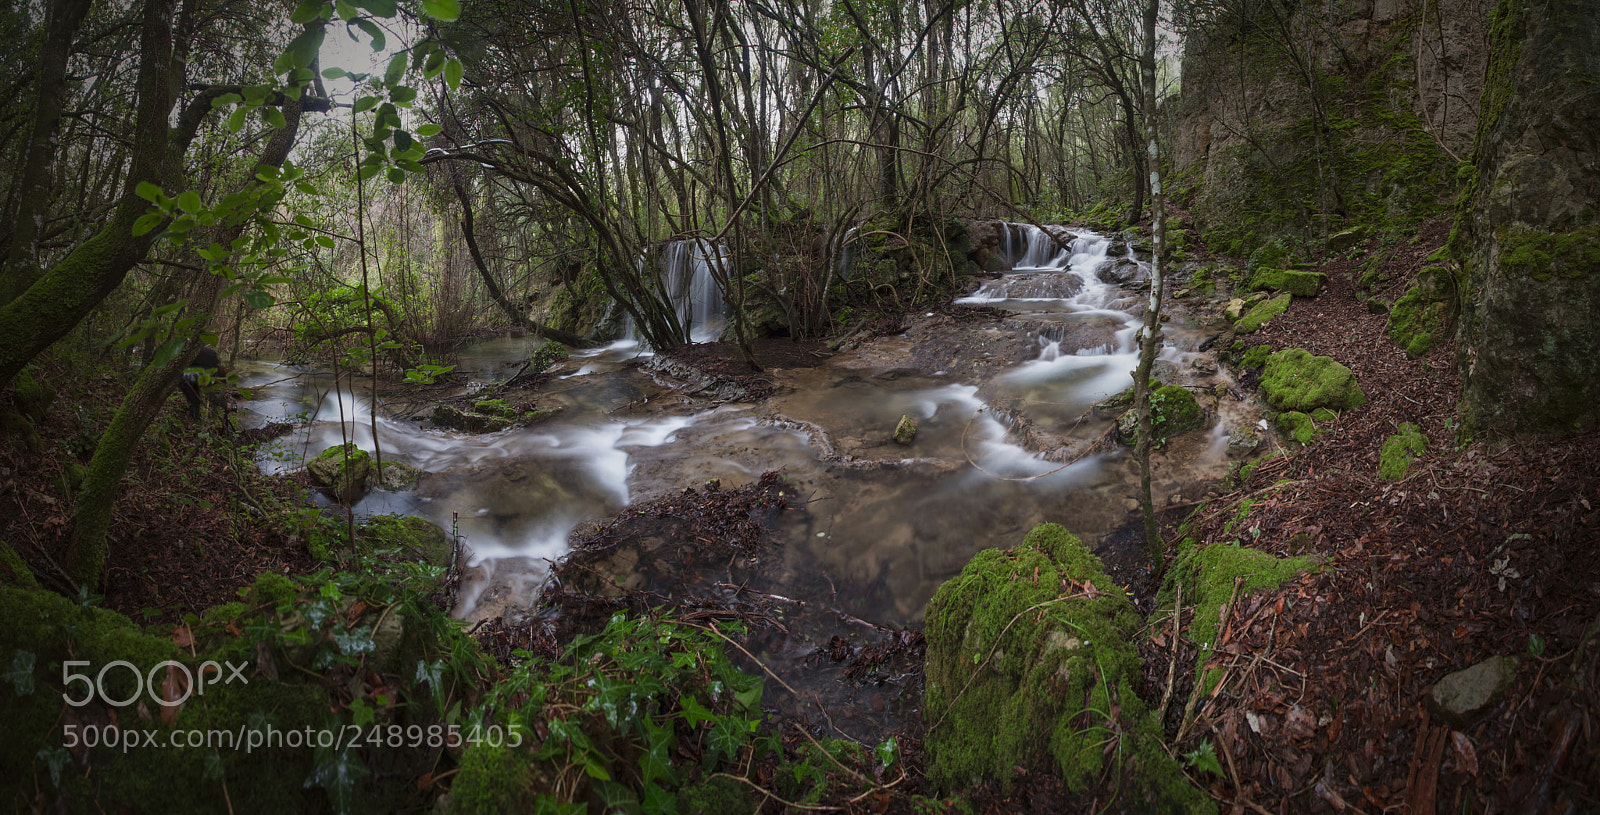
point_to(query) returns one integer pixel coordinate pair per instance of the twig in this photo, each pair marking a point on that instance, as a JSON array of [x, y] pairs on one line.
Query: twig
[[1172, 664]]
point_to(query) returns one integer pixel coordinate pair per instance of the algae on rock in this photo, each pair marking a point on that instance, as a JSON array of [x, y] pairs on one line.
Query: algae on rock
[[1030, 666]]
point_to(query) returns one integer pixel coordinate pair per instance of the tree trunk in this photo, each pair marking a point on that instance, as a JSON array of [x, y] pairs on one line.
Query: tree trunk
[[91, 517], [1150, 334]]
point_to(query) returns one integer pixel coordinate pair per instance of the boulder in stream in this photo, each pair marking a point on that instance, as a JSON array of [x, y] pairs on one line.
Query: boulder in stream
[[905, 432], [342, 472]]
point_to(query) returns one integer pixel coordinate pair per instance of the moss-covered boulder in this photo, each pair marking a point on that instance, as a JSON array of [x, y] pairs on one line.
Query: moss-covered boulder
[[1399, 451], [15, 426], [1262, 313], [413, 538], [545, 356], [489, 416], [342, 471], [1173, 412], [1297, 283], [1293, 379], [1030, 667], [397, 476], [1418, 318], [1297, 425]]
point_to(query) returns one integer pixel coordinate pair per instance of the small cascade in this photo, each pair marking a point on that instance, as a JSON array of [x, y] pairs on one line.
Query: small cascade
[[684, 268], [1054, 266]]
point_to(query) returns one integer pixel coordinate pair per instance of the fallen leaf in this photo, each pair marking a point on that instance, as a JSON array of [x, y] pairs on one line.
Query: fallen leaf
[[1465, 755]]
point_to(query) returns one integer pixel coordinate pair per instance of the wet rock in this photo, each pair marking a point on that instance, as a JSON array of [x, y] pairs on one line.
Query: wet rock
[[1205, 366], [1243, 441], [342, 472], [1461, 698], [471, 422], [1114, 405], [1174, 412], [1123, 271], [395, 476], [906, 431]]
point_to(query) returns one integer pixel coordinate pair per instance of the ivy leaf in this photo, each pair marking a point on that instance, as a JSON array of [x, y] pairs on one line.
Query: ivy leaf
[[447, 11]]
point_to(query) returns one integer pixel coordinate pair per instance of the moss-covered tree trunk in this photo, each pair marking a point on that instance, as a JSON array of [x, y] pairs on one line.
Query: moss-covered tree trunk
[[1529, 239], [91, 517]]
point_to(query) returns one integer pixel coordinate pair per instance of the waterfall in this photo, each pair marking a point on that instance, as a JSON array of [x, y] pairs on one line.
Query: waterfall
[[684, 268]]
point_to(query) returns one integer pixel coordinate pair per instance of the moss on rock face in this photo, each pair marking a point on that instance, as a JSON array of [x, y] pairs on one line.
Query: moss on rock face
[[1256, 356], [1263, 313], [1419, 316], [1293, 379], [1029, 666], [1399, 451], [1541, 254], [546, 355], [1297, 283]]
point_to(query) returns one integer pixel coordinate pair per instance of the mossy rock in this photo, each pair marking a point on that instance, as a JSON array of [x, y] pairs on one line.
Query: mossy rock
[[16, 426], [416, 538], [13, 571], [1263, 313], [545, 356], [1293, 379], [342, 471], [1297, 425], [1539, 254], [396, 476], [1297, 283], [1115, 404], [905, 431], [469, 421], [498, 408], [1273, 253], [1173, 411], [1399, 451], [1208, 574], [1346, 240], [1256, 356], [32, 397], [1416, 320], [1028, 652]]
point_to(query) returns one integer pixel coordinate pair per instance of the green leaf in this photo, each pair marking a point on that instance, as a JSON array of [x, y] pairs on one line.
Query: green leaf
[[396, 175], [378, 8], [307, 188], [146, 222], [434, 63], [1204, 758], [403, 94], [226, 100], [306, 12], [442, 10], [303, 49], [236, 119], [304, 220], [190, 202], [396, 70], [334, 72], [345, 10], [259, 299], [368, 171], [366, 103], [452, 73], [429, 130], [274, 118], [324, 241], [402, 140], [148, 192], [167, 352], [256, 94], [372, 30]]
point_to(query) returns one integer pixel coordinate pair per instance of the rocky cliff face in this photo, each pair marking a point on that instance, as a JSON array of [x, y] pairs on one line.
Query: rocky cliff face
[[1528, 240], [1303, 119]]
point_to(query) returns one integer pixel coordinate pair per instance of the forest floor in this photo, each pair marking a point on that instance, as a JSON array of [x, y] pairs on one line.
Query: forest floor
[[1483, 549]]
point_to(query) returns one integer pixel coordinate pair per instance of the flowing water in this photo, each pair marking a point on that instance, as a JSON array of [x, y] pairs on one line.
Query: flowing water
[[882, 525]]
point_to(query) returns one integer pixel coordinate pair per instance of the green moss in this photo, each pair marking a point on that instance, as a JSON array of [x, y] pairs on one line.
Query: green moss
[[16, 426], [719, 796], [1256, 356], [905, 431], [492, 780], [1420, 315], [342, 471], [270, 589], [1203, 281], [414, 538], [33, 398], [1263, 313], [1273, 253], [494, 407], [1174, 411], [1293, 379], [1297, 283], [14, 572], [1323, 414], [1208, 575], [546, 355], [1029, 667], [1540, 254], [1297, 426], [1399, 451]]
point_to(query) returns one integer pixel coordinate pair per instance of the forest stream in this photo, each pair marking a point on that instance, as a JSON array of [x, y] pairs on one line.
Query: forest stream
[[882, 524]]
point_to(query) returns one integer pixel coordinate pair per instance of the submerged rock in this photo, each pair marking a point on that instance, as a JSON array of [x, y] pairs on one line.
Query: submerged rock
[[395, 476], [1461, 698]]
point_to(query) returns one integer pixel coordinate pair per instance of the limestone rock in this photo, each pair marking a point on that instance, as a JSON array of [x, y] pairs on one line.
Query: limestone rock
[[342, 471], [1243, 441], [1346, 240], [1235, 309], [1463, 697]]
